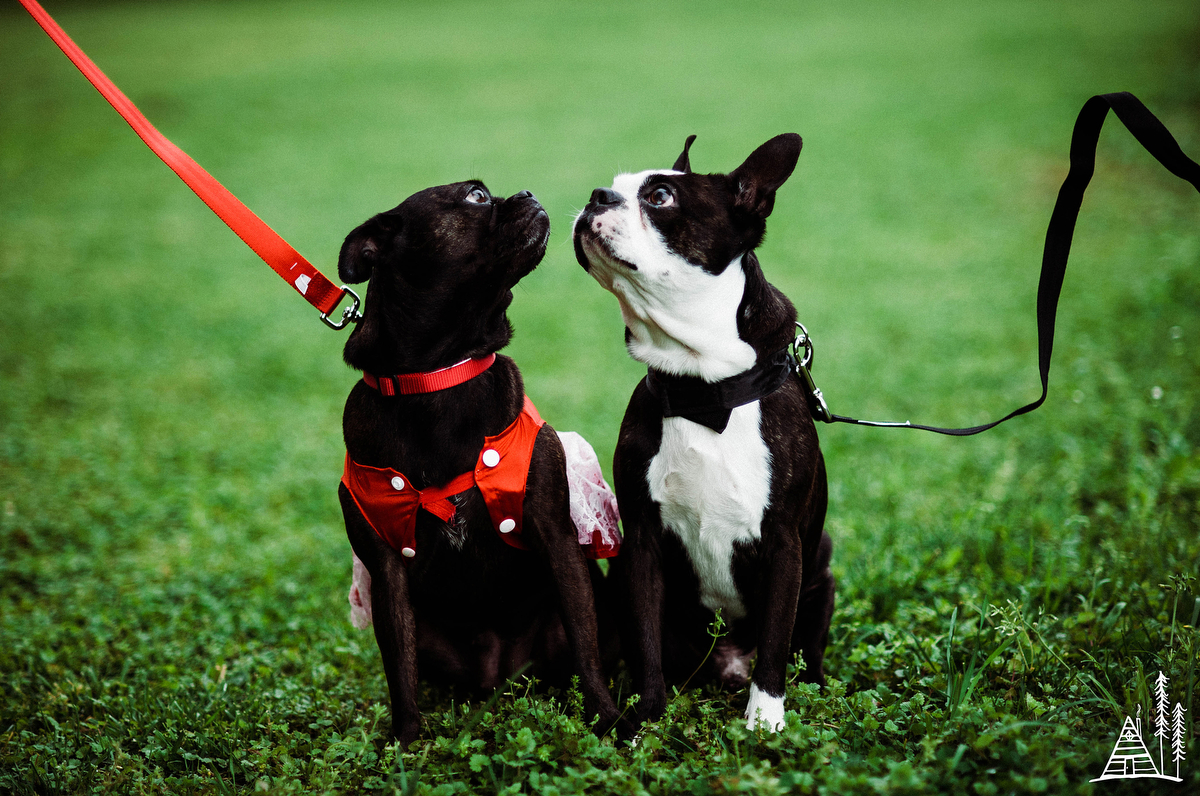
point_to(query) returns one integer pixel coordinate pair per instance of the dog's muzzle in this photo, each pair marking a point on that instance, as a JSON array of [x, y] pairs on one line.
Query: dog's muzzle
[[585, 234], [525, 225], [603, 200]]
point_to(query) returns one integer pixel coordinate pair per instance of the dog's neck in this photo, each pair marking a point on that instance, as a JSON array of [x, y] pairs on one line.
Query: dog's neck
[[685, 325], [411, 338], [747, 315], [719, 332], [766, 318]]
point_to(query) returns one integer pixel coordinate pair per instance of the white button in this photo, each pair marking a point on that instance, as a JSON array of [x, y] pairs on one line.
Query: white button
[[398, 483], [506, 526], [408, 552], [491, 458]]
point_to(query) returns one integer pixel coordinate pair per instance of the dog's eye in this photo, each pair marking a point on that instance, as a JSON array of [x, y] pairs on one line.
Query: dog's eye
[[661, 197], [477, 196]]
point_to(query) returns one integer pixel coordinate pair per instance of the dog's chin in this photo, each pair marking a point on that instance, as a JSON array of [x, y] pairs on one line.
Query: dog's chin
[[532, 249], [539, 238]]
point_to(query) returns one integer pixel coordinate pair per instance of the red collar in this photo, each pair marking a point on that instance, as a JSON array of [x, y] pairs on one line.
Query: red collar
[[434, 380]]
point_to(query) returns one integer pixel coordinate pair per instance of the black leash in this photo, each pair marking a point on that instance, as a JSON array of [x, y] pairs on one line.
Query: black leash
[[1152, 135]]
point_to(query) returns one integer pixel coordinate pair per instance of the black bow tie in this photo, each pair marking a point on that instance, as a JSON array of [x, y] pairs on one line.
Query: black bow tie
[[710, 403]]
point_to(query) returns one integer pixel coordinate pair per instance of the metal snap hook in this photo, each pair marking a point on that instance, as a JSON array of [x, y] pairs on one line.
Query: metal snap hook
[[803, 341], [349, 314], [816, 401]]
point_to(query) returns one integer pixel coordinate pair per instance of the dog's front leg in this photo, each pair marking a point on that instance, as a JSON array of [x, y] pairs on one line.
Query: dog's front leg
[[638, 571], [394, 622], [780, 591], [578, 610], [549, 529], [395, 632], [639, 581]]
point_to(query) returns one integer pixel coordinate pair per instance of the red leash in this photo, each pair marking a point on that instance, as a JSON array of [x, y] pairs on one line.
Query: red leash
[[266, 243]]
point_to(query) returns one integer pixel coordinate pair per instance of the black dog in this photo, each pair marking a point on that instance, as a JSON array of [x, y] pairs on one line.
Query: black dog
[[470, 580], [718, 471]]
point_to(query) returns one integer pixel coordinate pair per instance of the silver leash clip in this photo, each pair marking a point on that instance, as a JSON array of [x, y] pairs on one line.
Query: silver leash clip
[[802, 351], [349, 314]]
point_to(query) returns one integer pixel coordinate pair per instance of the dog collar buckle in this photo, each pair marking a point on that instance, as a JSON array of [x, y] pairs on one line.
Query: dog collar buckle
[[349, 314], [802, 353]]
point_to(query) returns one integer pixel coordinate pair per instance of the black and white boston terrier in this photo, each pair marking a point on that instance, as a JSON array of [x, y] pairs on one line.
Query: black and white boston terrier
[[719, 475], [455, 493]]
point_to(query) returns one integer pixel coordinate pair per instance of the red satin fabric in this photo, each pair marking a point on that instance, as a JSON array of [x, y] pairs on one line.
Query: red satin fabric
[[392, 511]]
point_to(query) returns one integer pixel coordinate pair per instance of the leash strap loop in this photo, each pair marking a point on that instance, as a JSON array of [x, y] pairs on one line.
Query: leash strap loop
[[1156, 139], [254, 232]]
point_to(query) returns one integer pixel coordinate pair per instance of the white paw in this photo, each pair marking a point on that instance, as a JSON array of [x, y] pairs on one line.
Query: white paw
[[764, 709]]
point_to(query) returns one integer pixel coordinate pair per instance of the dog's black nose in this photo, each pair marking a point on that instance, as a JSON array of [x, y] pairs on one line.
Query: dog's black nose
[[605, 196], [523, 195]]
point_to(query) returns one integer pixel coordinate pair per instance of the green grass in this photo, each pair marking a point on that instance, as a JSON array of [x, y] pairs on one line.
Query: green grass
[[173, 566]]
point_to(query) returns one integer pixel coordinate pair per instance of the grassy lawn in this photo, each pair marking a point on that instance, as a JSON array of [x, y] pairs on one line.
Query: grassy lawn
[[173, 566]]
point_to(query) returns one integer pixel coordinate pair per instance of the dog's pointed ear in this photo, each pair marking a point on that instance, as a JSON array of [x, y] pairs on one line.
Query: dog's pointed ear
[[681, 162], [768, 167], [360, 251]]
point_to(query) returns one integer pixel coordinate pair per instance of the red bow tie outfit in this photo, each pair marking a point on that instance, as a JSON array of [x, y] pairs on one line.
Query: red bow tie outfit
[[389, 501]]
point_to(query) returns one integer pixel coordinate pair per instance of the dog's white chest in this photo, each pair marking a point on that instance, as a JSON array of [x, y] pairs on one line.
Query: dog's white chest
[[712, 490]]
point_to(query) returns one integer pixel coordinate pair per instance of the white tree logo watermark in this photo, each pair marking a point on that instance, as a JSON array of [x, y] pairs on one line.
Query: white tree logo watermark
[[1130, 759]]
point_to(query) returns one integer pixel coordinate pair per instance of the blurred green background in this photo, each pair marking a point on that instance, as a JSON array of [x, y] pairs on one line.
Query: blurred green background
[[170, 434]]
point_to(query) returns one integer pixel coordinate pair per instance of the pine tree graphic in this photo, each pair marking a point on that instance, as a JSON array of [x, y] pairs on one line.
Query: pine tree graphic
[[1162, 720], [1177, 737]]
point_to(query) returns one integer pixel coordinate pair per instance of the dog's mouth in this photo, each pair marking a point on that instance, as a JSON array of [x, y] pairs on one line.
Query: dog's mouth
[[540, 236], [532, 230], [591, 248], [535, 225]]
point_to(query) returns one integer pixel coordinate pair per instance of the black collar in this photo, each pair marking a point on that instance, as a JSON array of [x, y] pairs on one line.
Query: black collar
[[710, 403]]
